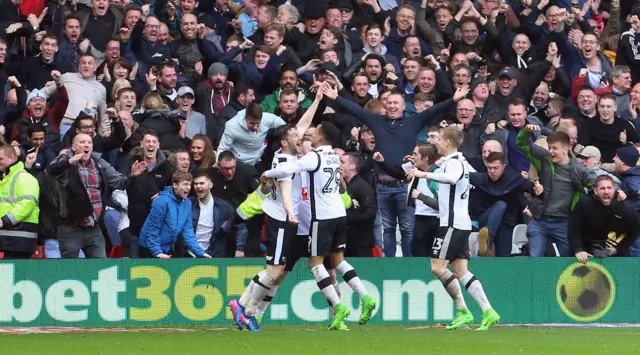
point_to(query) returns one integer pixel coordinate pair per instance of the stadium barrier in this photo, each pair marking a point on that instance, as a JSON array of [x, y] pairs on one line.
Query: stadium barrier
[[179, 292]]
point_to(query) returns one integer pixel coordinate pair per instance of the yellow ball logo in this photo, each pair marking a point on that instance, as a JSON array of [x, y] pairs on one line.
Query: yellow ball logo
[[585, 293]]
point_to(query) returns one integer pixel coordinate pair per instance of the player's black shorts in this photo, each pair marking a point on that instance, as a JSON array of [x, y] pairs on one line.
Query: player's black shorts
[[299, 249], [451, 244], [328, 236], [278, 240]]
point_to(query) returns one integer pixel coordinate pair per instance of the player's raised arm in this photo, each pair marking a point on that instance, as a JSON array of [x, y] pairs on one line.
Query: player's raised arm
[[307, 118], [309, 162], [450, 176]]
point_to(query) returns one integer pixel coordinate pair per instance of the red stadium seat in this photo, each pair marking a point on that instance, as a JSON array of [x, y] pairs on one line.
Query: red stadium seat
[[116, 252], [39, 254], [1, 255], [377, 252]]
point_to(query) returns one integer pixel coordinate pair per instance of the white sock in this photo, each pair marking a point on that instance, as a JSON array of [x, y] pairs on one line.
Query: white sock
[[324, 284], [246, 296], [337, 288], [264, 284], [267, 300], [474, 287], [452, 286], [351, 277]]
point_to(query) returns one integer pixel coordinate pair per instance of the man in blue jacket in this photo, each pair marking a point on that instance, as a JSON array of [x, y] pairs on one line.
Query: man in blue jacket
[[170, 216], [212, 218]]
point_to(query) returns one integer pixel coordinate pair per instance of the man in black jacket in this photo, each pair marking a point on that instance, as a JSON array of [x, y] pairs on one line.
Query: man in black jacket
[[88, 181], [233, 181], [601, 226], [361, 215], [154, 179]]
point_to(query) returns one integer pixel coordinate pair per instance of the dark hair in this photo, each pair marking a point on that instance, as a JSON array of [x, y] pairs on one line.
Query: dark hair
[[428, 150], [121, 61], [126, 89], [202, 172], [336, 32], [586, 87], [180, 176], [226, 156], [34, 128], [330, 133], [374, 26], [208, 156], [161, 67], [253, 112], [132, 8], [493, 156], [558, 137], [150, 132], [266, 49], [71, 17], [355, 159], [418, 60], [604, 177], [241, 88], [280, 133], [271, 11]]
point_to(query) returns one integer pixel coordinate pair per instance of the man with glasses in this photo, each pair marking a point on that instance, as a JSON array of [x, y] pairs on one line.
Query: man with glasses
[[406, 26]]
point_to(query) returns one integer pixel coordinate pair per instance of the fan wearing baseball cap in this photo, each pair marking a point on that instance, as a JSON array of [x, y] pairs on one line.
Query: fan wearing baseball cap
[[590, 158]]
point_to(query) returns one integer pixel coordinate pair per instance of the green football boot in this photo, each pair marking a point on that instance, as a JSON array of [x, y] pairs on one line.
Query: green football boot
[[489, 318], [259, 319], [342, 326], [462, 317], [368, 306], [341, 312]]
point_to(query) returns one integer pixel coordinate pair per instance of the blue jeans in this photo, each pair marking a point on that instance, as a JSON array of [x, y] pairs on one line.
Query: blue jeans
[[541, 231], [52, 250], [377, 230], [635, 248], [499, 234], [392, 202], [111, 221]]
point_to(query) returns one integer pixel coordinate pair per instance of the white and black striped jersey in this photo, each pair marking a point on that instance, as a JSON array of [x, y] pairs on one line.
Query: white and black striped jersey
[[323, 165], [273, 205], [453, 191]]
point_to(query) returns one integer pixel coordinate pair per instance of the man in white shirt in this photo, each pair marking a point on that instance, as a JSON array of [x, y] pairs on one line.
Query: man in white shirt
[[212, 217]]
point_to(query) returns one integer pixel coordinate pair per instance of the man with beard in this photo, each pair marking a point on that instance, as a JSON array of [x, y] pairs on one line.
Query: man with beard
[[112, 53], [195, 122], [37, 111], [506, 133], [592, 230], [608, 133], [259, 71], [146, 186], [214, 93], [165, 84], [186, 49], [372, 64], [242, 96], [288, 81], [100, 23], [36, 71], [212, 217]]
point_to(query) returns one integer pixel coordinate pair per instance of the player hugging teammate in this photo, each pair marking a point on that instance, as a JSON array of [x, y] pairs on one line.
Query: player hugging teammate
[[321, 212]]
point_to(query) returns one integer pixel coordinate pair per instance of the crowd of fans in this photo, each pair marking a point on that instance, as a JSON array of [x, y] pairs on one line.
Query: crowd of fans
[[145, 124]]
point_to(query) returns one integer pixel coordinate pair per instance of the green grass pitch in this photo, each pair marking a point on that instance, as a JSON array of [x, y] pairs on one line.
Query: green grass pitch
[[369, 340]]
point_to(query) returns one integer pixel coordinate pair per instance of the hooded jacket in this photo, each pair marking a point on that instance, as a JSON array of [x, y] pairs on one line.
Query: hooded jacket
[[169, 218], [247, 145], [210, 102], [630, 185]]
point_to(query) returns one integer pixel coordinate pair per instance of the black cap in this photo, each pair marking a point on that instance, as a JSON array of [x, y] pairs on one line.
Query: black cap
[[159, 58], [316, 10], [207, 20], [342, 4], [477, 81], [328, 66], [364, 128], [378, 57]]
